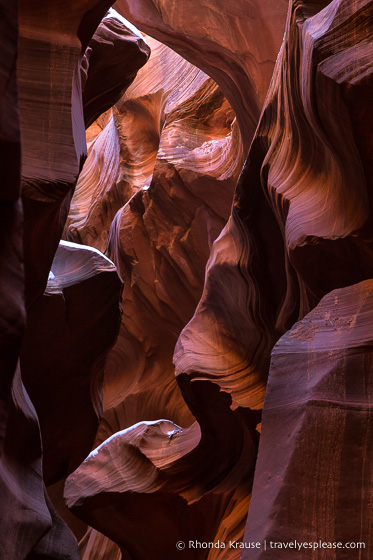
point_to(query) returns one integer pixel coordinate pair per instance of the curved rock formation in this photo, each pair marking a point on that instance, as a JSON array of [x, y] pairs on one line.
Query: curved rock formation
[[318, 412], [236, 43], [36, 82], [28, 525], [177, 455], [158, 473], [289, 220], [258, 277], [38, 532], [70, 331], [111, 61], [173, 140], [53, 39], [172, 146], [96, 545]]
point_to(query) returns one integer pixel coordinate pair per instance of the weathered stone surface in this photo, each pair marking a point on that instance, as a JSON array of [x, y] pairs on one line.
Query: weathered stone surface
[[236, 43], [158, 473], [290, 222], [24, 517], [69, 333], [52, 36], [95, 546], [110, 64], [173, 145], [257, 281], [29, 526], [312, 478], [291, 237], [36, 82], [154, 194], [171, 148]]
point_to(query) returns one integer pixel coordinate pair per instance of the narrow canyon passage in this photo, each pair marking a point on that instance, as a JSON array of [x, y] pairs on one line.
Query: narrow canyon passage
[[186, 301]]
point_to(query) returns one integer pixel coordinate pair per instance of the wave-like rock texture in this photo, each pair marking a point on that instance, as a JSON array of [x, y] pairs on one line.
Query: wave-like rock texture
[[236, 43], [154, 194], [292, 237], [313, 478], [171, 147], [174, 142], [40, 47], [69, 333], [111, 61], [161, 475], [95, 546], [53, 39], [28, 525]]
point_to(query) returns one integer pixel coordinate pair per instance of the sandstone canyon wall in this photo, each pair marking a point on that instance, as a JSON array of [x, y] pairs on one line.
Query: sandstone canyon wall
[[194, 199], [43, 139]]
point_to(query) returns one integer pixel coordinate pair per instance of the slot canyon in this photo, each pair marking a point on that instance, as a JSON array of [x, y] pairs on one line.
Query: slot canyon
[[186, 304]]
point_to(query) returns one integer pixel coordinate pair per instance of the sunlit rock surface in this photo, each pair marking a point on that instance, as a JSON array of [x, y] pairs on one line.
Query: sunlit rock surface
[[159, 473], [171, 148], [265, 271], [70, 331], [174, 457], [234, 42], [316, 442], [53, 38], [291, 237]]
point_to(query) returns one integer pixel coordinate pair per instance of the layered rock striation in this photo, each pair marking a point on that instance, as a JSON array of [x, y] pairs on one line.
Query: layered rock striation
[[289, 219], [174, 143], [234, 43], [53, 41], [269, 297], [291, 237], [110, 64], [316, 441], [155, 192], [43, 146]]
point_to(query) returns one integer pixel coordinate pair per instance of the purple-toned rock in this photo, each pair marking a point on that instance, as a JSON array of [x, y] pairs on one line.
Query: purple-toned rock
[[70, 330], [313, 478], [112, 59]]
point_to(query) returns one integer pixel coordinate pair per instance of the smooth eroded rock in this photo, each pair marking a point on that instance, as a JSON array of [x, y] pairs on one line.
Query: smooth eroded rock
[[313, 480]]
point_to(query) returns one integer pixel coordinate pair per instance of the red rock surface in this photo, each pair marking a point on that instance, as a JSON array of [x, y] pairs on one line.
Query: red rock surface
[[171, 146], [52, 40], [289, 211], [70, 330], [110, 64], [174, 457], [291, 238], [176, 135], [313, 480], [40, 46], [160, 474], [234, 42], [28, 525]]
